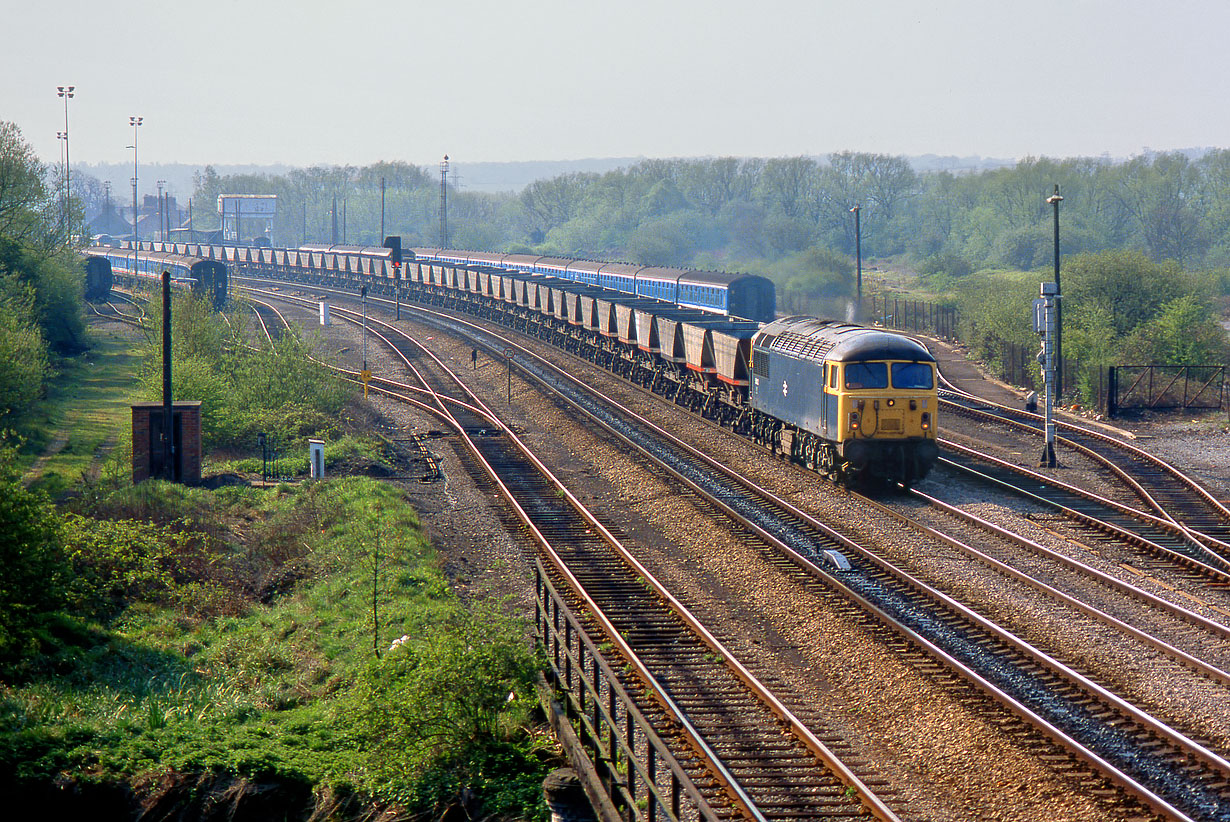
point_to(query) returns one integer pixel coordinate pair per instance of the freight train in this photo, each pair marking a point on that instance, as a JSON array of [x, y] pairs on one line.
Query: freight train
[[857, 404]]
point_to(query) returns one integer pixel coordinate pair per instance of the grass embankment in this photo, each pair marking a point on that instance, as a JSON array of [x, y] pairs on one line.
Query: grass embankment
[[287, 652], [86, 414], [184, 660]]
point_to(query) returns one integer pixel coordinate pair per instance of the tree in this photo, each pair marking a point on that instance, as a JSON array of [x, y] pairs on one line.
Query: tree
[[555, 201], [1164, 196], [1183, 332], [1125, 287], [441, 694], [25, 202], [40, 280]]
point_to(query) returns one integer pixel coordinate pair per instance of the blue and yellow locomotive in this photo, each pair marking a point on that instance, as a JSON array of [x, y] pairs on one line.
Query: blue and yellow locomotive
[[848, 401]]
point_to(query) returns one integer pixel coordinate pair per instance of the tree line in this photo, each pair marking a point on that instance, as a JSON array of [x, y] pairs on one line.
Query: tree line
[[1150, 235], [751, 213], [786, 218], [41, 277]]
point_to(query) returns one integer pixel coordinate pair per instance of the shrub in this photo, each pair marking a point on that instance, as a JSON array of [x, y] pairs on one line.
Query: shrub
[[32, 562], [437, 707]]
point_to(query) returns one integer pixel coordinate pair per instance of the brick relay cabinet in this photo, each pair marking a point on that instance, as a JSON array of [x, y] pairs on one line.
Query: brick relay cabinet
[[147, 441]]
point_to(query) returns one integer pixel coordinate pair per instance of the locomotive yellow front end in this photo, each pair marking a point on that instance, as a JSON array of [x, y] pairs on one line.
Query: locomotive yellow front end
[[885, 417]]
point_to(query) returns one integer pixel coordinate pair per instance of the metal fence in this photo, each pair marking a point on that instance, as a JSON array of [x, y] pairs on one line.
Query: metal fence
[[1158, 387], [936, 319], [636, 769], [1111, 390], [1018, 365]]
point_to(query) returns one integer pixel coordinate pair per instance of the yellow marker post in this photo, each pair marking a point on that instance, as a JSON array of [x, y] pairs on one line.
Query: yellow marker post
[[366, 376]]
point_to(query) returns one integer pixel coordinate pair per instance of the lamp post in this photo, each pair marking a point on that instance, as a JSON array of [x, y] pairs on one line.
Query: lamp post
[[1055, 200], [161, 236], [66, 92], [444, 202], [135, 122], [64, 196], [858, 257]]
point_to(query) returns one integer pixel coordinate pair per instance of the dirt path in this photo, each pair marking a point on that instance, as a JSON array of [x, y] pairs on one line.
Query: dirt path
[[40, 464]]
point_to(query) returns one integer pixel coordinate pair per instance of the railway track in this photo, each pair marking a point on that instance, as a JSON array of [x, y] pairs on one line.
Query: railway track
[[1141, 754], [727, 726], [1164, 489], [1159, 537], [271, 321]]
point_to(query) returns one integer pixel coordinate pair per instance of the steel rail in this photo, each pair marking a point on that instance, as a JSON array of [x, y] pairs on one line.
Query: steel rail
[[1160, 730], [1079, 749], [1084, 683], [808, 564], [1179, 655], [1217, 569], [1136, 453], [613, 635]]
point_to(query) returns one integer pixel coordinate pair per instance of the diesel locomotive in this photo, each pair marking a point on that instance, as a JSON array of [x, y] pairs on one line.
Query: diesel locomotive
[[845, 400]]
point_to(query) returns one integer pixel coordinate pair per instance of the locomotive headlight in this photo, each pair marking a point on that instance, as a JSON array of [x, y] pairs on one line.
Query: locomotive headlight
[[926, 421], [891, 403], [854, 419]]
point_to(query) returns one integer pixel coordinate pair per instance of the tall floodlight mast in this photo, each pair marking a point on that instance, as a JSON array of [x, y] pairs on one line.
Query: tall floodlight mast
[[67, 93]]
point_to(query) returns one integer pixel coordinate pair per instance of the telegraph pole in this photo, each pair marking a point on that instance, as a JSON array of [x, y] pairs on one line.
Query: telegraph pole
[[168, 413], [858, 256], [67, 93], [136, 214], [161, 213]]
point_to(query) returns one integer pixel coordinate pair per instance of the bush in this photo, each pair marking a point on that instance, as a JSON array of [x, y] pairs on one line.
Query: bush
[[437, 713], [32, 562], [276, 389], [118, 562]]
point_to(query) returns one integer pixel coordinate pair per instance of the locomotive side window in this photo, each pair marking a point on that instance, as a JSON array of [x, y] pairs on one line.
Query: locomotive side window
[[866, 375], [913, 375], [832, 376]]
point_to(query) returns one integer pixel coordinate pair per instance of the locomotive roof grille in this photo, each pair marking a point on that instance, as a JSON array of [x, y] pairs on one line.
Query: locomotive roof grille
[[814, 339]]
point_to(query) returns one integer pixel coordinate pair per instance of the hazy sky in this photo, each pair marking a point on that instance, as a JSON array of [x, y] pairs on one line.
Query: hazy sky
[[356, 81]]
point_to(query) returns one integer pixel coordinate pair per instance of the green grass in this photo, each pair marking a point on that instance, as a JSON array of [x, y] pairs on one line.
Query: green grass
[[87, 411], [340, 455], [278, 691]]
